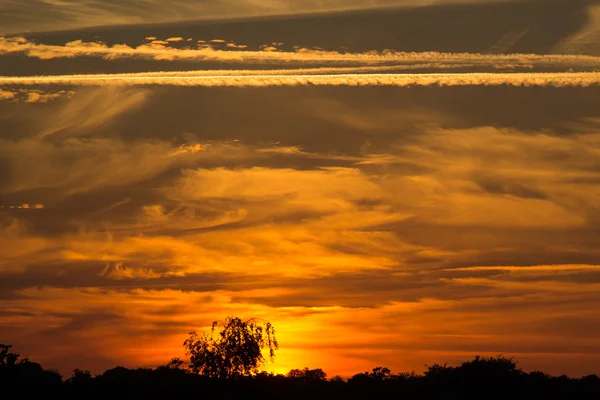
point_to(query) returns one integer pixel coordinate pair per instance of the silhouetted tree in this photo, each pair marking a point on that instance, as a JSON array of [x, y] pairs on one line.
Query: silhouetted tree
[[376, 374], [118, 374], [235, 351], [437, 370], [175, 363], [483, 377], [80, 377], [308, 375], [7, 359], [23, 371], [490, 366], [174, 369]]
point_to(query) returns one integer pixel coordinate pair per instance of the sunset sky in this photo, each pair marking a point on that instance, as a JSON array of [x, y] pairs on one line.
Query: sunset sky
[[389, 182]]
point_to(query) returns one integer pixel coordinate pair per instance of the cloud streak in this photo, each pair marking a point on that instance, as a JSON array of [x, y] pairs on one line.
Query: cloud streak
[[581, 79], [534, 268], [159, 50]]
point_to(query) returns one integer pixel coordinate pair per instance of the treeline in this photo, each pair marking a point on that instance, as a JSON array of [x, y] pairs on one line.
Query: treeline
[[480, 378]]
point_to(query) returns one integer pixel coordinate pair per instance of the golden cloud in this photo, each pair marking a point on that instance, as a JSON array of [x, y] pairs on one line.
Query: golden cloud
[[581, 79], [157, 50], [34, 95]]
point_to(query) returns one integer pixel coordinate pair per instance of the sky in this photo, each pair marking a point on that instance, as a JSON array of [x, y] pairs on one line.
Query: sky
[[38, 15], [390, 183]]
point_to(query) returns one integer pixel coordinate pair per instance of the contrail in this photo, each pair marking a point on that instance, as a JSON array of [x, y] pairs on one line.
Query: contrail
[[202, 79]]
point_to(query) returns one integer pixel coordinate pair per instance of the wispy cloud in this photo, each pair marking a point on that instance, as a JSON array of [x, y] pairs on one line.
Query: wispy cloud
[[64, 14], [525, 269], [93, 109]]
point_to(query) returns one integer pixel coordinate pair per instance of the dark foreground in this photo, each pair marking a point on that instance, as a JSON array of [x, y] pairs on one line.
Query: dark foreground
[[481, 378]]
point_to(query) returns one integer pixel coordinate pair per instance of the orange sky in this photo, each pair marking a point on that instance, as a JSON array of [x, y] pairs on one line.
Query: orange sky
[[392, 225]]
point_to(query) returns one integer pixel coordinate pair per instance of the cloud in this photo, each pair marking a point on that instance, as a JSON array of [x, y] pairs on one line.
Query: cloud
[[582, 79], [336, 338], [34, 95], [535, 268], [231, 184], [188, 148], [120, 272], [236, 46], [323, 220], [7, 95], [99, 163], [585, 40], [483, 237], [158, 50], [93, 109], [24, 206]]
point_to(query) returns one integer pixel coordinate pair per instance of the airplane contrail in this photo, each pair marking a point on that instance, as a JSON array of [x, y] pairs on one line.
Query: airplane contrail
[[262, 79]]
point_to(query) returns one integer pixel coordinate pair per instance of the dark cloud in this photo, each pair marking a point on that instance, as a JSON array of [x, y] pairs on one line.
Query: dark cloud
[[542, 23], [540, 27], [231, 113]]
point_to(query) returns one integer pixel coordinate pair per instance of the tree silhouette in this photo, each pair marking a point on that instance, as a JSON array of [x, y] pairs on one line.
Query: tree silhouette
[[80, 377], [482, 377], [7, 359], [377, 374], [175, 364], [235, 351], [308, 375], [15, 370]]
